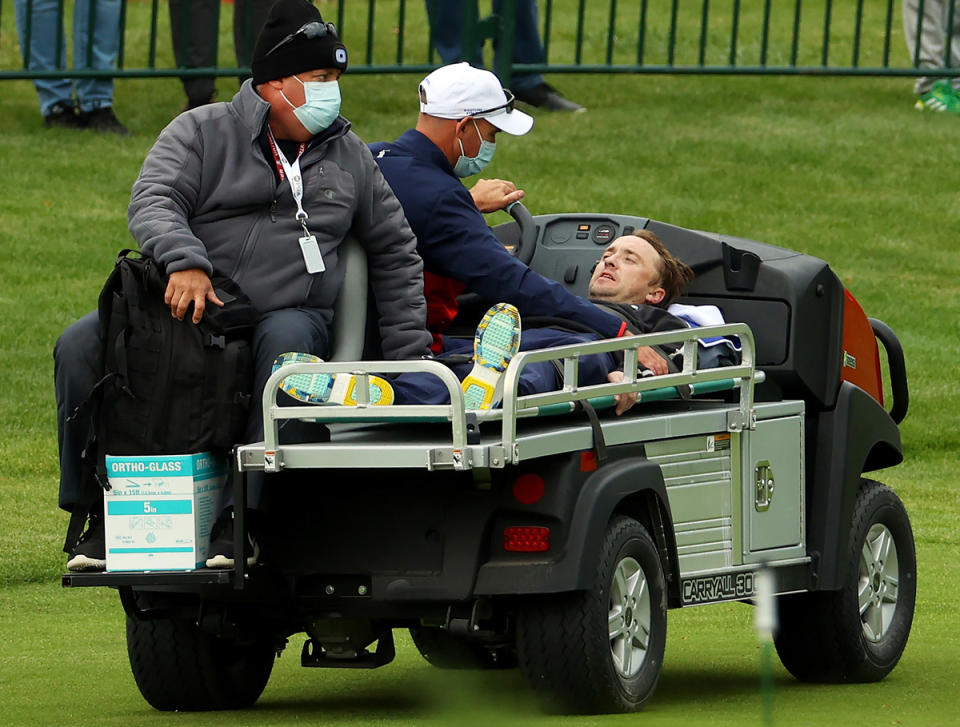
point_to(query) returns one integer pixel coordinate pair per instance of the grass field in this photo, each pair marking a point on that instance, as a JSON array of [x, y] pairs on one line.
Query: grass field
[[842, 169]]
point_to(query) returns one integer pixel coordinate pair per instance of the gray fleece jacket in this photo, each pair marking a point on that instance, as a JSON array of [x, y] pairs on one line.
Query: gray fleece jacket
[[207, 198]]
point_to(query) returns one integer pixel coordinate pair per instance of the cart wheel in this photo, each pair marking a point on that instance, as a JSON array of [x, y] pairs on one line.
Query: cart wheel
[[600, 650], [858, 633], [179, 667], [446, 651]]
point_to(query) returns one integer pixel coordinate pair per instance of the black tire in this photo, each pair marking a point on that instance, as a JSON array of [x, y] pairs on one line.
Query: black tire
[[446, 651], [564, 644], [857, 634], [179, 667]]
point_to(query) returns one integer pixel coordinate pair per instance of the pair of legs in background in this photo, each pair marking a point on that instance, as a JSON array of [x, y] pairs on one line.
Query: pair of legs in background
[[933, 41], [72, 103]]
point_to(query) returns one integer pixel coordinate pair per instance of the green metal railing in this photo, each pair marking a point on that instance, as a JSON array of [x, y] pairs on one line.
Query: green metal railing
[[775, 37]]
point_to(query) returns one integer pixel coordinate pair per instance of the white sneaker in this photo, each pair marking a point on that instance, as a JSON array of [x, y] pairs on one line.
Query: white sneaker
[[329, 388], [495, 344]]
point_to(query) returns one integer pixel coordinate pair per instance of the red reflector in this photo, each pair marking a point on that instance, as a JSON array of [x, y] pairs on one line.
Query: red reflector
[[588, 461], [528, 488], [526, 539]]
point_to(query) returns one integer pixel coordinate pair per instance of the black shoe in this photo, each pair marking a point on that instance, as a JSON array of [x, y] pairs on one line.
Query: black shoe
[[103, 119], [195, 103], [89, 554], [545, 96], [64, 116], [221, 544]]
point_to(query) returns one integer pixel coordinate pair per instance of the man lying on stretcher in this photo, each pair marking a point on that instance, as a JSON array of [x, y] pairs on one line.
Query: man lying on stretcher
[[635, 279]]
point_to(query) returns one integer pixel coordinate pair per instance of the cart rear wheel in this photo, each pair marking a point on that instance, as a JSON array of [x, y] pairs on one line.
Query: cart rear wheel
[[601, 650], [858, 633], [177, 666]]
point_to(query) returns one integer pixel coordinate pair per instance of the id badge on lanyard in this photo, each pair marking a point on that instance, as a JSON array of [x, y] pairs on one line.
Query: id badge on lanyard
[[309, 247]]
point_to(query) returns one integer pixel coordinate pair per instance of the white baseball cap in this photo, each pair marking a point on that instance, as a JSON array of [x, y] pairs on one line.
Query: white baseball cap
[[460, 90]]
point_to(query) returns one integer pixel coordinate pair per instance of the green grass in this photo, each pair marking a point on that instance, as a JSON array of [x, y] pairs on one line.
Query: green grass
[[842, 169]]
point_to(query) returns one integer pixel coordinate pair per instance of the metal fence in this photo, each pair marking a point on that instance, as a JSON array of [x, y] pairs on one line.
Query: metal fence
[[775, 37]]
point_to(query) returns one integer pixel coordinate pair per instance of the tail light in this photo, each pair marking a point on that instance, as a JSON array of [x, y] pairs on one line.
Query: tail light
[[526, 539]]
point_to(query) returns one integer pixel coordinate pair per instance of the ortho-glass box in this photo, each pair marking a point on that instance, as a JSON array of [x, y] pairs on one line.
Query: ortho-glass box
[[159, 510]]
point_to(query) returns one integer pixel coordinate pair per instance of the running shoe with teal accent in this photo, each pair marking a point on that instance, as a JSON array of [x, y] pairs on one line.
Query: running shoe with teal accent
[[329, 388], [494, 346], [941, 97]]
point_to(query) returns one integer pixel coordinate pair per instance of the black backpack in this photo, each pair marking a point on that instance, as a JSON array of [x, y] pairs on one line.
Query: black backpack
[[171, 387], [168, 386]]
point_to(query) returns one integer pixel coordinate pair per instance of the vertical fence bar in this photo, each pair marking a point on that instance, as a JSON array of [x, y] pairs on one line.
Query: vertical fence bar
[[401, 23], [672, 39], [611, 29], [948, 41], [28, 36], [886, 34], [91, 24], [704, 21], [916, 45], [371, 9], [642, 32], [828, 10], [340, 18], [60, 39], [765, 35], [796, 32], [734, 32], [580, 13], [123, 32], [856, 34], [152, 45], [546, 31]]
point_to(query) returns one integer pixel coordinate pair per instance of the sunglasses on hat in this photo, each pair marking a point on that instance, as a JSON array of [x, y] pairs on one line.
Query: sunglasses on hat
[[311, 30], [504, 107]]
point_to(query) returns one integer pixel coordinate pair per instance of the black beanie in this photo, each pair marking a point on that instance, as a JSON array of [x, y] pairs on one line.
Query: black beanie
[[300, 53]]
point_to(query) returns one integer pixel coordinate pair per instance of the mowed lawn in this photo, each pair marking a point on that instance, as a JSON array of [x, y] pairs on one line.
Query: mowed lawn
[[842, 169]]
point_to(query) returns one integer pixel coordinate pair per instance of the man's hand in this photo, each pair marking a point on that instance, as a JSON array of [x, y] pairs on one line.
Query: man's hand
[[652, 360], [491, 195], [189, 286], [624, 401]]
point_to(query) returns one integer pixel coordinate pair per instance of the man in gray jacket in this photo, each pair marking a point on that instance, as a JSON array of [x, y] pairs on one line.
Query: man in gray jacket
[[262, 189]]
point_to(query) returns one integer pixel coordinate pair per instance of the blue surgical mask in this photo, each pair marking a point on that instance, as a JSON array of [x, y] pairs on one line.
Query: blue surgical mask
[[468, 166], [321, 105]]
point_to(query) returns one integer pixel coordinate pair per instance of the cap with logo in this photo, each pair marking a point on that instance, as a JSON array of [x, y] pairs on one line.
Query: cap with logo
[[460, 90], [295, 39]]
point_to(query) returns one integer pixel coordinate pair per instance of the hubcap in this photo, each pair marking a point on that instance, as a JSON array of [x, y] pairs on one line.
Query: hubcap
[[629, 617], [879, 582]]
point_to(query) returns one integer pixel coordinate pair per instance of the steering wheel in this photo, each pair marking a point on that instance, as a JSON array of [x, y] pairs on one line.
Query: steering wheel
[[527, 243]]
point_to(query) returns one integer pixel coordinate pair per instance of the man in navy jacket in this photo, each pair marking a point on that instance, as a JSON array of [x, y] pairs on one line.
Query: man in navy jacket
[[462, 109]]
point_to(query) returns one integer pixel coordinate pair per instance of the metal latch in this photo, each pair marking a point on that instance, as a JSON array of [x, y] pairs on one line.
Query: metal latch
[[763, 478]]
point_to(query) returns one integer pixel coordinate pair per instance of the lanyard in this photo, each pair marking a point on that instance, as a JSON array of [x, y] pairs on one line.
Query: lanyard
[[292, 173]]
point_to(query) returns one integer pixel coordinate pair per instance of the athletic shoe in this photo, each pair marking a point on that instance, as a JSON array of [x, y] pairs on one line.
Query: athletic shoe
[[495, 344], [221, 544], [63, 116], [89, 554], [941, 98], [103, 119], [329, 388], [544, 96]]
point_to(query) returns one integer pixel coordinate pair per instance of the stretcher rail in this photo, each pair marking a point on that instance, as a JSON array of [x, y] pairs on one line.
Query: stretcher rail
[[460, 450]]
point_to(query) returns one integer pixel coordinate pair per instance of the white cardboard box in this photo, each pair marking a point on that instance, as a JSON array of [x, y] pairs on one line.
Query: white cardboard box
[[160, 509]]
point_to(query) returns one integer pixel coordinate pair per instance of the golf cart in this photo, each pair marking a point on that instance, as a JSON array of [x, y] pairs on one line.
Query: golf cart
[[544, 536]]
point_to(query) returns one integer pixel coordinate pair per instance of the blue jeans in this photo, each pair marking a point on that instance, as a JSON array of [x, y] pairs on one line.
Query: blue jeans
[[535, 378], [446, 19], [46, 35], [78, 367]]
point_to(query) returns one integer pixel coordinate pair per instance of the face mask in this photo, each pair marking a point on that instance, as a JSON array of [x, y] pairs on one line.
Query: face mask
[[321, 105], [468, 166]]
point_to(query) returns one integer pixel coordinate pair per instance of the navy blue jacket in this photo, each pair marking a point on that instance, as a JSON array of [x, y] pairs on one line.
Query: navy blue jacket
[[455, 242]]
